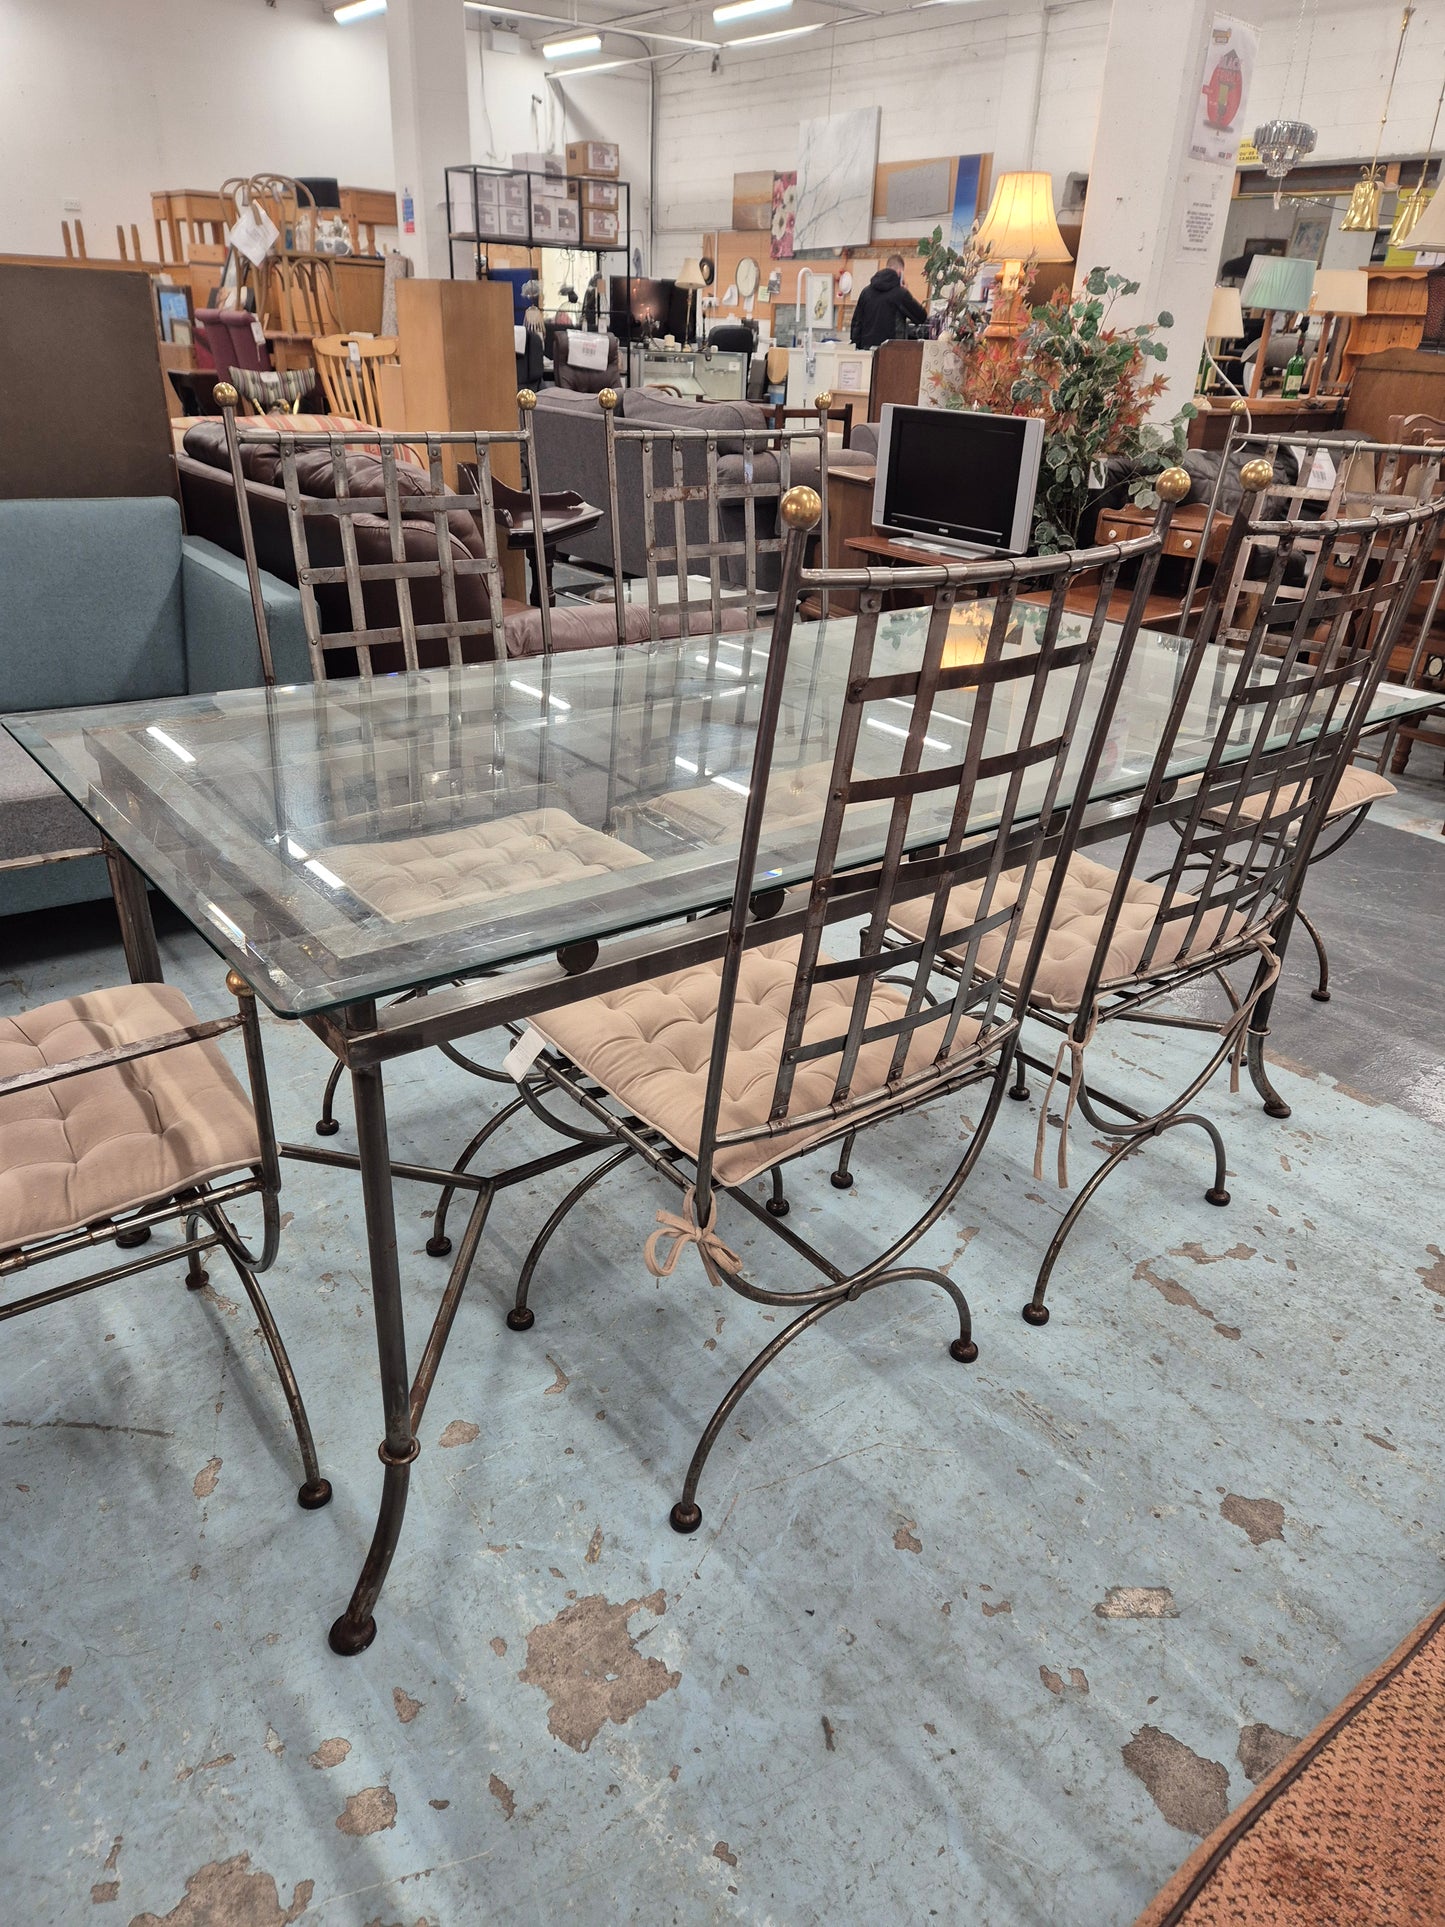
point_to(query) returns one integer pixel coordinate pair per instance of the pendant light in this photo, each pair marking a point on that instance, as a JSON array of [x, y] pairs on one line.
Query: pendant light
[[1363, 213], [1282, 143], [1409, 207]]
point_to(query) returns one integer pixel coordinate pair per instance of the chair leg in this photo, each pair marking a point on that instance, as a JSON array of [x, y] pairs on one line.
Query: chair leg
[[842, 1179], [521, 1317], [197, 1277], [1321, 993], [326, 1124], [777, 1205], [316, 1491], [1036, 1312], [1019, 1088], [439, 1244], [686, 1515]]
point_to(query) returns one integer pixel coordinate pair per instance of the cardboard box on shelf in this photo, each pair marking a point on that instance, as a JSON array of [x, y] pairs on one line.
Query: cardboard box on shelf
[[512, 221], [569, 226], [540, 164], [602, 194], [548, 187], [599, 227], [594, 157]]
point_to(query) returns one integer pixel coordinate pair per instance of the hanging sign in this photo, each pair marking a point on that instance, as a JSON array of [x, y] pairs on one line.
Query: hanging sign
[[1223, 97]]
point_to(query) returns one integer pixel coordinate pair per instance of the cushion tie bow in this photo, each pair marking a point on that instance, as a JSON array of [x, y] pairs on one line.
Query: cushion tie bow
[[675, 1231]]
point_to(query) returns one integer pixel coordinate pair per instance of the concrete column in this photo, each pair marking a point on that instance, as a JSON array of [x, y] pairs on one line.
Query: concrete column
[[1142, 182], [426, 56]]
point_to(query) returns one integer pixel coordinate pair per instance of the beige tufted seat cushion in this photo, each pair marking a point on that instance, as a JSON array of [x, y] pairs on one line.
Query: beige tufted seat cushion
[[1356, 788], [481, 862], [1074, 934], [115, 1139], [650, 1044]]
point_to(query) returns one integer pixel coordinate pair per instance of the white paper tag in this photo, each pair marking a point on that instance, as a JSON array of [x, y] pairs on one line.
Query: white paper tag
[[524, 1054], [587, 351], [253, 234]]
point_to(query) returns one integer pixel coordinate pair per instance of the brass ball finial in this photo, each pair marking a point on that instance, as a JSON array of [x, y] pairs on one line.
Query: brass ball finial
[[823, 401], [1173, 485], [526, 400], [1256, 475], [608, 399], [226, 396], [237, 984], [1239, 406], [802, 508]]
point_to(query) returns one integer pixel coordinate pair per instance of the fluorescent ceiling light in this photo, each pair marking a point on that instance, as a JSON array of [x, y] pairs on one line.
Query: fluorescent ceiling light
[[778, 33], [598, 67], [745, 9], [358, 10], [586, 43]]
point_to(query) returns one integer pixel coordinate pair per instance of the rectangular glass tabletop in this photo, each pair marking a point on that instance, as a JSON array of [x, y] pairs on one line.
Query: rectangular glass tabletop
[[348, 840]]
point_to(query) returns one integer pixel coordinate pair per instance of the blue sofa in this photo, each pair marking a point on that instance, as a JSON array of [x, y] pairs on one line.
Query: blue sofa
[[106, 601]]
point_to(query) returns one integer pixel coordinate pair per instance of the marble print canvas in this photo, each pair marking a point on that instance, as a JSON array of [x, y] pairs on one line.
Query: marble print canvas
[[837, 159]]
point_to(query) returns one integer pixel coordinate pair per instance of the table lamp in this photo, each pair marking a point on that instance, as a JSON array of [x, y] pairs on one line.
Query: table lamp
[[1226, 321], [691, 277], [1280, 284], [1019, 227], [1429, 231], [1337, 291]]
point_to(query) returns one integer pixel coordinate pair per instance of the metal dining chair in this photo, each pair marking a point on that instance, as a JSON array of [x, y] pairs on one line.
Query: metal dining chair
[[723, 1072], [1289, 697], [119, 1116], [1337, 476]]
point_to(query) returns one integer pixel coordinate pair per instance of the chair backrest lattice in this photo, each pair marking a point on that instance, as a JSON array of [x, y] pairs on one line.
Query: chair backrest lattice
[[700, 524], [402, 578], [347, 365], [992, 704], [1291, 691]]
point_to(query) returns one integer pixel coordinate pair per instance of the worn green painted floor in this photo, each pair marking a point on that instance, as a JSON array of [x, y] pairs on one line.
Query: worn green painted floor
[[986, 1644]]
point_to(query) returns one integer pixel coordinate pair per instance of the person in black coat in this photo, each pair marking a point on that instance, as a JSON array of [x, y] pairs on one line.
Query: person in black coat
[[884, 306]]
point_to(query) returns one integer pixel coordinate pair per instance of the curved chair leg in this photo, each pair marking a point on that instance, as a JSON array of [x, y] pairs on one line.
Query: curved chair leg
[[439, 1244], [686, 1515], [1036, 1312], [1019, 1088], [197, 1277], [326, 1124], [1274, 1104], [1321, 993], [842, 1179], [777, 1205], [316, 1491], [521, 1317]]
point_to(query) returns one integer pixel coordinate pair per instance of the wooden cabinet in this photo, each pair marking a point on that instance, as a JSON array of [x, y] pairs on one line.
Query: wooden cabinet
[[1396, 317]]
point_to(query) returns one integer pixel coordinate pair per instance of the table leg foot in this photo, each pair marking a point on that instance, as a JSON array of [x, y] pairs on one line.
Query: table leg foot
[[311, 1498]]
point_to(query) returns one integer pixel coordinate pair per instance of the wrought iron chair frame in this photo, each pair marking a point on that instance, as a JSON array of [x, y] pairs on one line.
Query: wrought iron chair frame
[[870, 891], [1253, 895], [194, 1207]]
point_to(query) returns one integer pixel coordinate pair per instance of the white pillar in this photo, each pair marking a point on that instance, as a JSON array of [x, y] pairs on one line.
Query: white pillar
[[426, 56], [1143, 185]]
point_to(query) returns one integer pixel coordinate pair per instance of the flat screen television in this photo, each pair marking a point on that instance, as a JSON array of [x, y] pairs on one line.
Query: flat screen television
[[960, 482]]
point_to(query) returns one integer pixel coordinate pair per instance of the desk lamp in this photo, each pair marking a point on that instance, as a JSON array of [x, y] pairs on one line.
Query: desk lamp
[[1337, 291], [1019, 227], [1280, 284], [1225, 323]]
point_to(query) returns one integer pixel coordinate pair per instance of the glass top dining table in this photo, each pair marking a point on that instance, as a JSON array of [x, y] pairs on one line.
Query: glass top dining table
[[344, 841]]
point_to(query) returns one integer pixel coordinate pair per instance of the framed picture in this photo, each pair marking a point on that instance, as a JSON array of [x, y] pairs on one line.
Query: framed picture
[[1311, 231], [1270, 244], [174, 308]]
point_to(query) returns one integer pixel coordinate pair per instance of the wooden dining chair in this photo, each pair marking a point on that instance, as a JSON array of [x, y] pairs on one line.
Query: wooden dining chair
[[347, 365], [948, 762], [1275, 716], [118, 1117]]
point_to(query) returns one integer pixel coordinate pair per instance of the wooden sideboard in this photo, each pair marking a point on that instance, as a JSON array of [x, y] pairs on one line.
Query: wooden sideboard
[[1401, 381]]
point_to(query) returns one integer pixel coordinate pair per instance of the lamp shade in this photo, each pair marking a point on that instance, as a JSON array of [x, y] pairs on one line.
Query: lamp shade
[[1340, 291], [689, 275], [1226, 315], [1020, 224], [1429, 231], [1281, 282]]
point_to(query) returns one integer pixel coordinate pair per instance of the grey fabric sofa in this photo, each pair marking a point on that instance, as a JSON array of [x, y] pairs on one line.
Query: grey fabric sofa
[[105, 601], [571, 453]]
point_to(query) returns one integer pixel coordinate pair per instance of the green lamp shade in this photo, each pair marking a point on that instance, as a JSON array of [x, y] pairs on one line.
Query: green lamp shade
[[1280, 282]]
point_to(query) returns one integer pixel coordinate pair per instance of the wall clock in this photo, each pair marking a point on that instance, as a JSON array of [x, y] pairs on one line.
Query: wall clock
[[747, 277]]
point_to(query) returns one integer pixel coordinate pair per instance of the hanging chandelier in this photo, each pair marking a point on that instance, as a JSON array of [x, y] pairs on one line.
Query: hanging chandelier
[[1409, 207], [1363, 213], [1282, 143]]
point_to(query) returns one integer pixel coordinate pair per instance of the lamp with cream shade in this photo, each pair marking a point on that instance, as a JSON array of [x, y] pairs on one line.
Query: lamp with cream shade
[[1337, 292], [1280, 284], [1018, 227], [691, 277], [1225, 323], [1429, 231]]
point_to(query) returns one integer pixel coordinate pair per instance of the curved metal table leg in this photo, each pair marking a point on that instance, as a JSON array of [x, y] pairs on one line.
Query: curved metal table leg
[[354, 1631], [1274, 1104], [1321, 992]]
